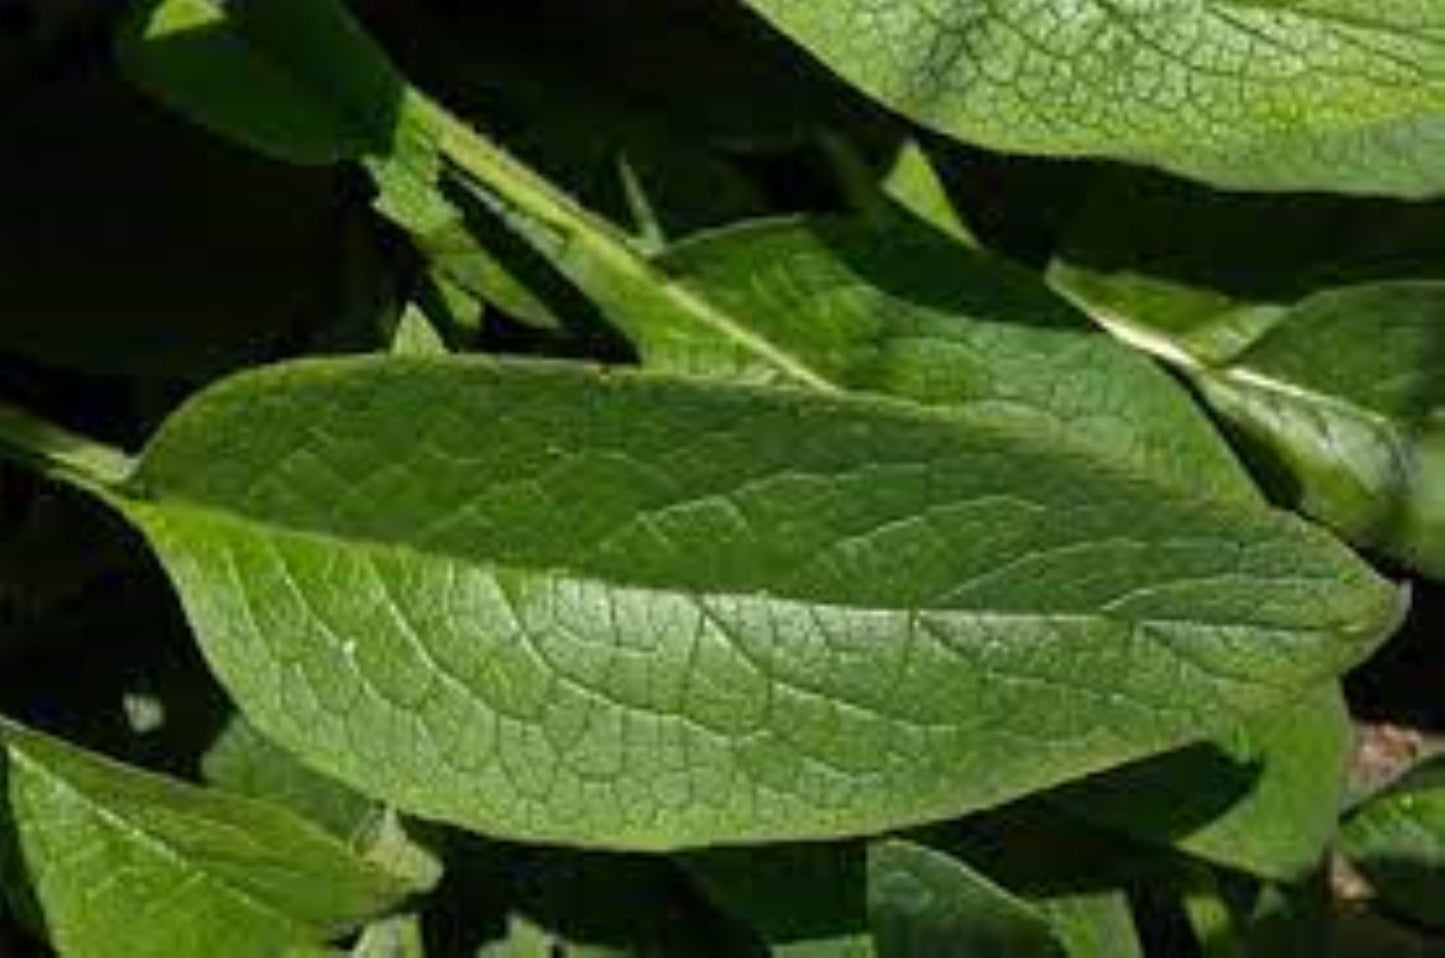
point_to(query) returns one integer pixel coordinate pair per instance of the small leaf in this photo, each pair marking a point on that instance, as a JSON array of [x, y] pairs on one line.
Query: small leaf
[[1336, 95], [639, 612], [922, 902], [99, 846], [1397, 840]]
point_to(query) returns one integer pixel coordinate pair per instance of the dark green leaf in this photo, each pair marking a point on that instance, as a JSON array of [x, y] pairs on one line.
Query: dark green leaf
[[298, 81], [1397, 840], [1338, 95], [643, 612], [99, 846], [1263, 798]]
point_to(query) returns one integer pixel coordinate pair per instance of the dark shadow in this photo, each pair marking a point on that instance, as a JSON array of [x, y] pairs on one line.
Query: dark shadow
[[1401, 683], [1165, 797], [918, 263], [133, 242], [1275, 247], [642, 904]]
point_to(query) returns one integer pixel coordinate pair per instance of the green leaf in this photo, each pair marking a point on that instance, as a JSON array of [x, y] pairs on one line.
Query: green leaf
[[1341, 400], [922, 902], [243, 761], [1340, 95], [1092, 924], [1397, 840], [633, 611], [1262, 798], [100, 846], [906, 311], [298, 81]]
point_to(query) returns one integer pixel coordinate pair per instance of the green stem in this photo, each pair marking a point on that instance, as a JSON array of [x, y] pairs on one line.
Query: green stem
[[602, 260], [61, 454]]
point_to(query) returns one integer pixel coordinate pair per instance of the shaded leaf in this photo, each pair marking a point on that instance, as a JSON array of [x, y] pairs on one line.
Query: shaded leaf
[[905, 311], [643, 612], [1263, 798], [97, 844], [922, 902], [1337, 95], [1397, 840]]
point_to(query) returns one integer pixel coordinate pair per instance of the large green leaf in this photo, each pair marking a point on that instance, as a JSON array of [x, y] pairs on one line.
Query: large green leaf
[[923, 903], [1397, 840], [627, 610], [110, 858], [1341, 95], [901, 309], [1340, 397]]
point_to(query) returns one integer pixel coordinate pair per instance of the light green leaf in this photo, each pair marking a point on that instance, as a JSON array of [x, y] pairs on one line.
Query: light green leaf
[[1341, 95], [1263, 798], [915, 184], [111, 857], [923, 903], [395, 937], [633, 611], [908, 312], [1397, 840]]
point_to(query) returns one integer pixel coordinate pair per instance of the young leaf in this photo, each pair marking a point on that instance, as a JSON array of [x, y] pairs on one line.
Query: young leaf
[[1342, 399], [1263, 798], [1397, 840], [924, 902], [1337, 95], [632, 611], [111, 857]]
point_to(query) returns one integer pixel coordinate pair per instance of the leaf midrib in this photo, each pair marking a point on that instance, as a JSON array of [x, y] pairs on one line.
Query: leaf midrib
[[1104, 613]]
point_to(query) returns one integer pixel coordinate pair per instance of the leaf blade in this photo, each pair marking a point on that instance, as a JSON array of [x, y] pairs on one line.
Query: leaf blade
[[706, 624], [1330, 95]]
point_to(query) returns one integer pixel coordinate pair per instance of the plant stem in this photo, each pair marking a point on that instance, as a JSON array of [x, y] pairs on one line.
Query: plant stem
[[602, 260], [61, 454]]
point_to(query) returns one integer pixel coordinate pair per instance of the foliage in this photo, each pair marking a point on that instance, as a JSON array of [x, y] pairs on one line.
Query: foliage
[[544, 478]]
